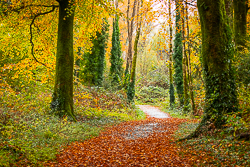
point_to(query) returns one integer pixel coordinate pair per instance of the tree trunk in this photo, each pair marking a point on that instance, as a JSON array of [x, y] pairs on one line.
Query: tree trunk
[[131, 87], [62, 102], [130, 36], [217, 54], [185, 63], [240, 22], [178, 55], [171, 89], [190, 80]]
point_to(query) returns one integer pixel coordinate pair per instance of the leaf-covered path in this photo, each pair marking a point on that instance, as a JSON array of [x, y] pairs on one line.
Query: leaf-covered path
[[136, 143]]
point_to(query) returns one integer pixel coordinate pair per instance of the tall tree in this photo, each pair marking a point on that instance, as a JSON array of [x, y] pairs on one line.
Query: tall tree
[[115, 58], [240, 22], [131, 86], [217, 54], [178, 54], [190, 78], [171, 90], [130, 25], [185, 63], [62, 101], [93, 62]]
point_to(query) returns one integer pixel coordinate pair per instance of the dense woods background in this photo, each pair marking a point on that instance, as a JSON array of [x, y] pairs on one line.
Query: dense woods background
[[70, 68]]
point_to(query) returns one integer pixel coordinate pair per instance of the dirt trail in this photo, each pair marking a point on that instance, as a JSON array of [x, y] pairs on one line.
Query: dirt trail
[[136, 143]]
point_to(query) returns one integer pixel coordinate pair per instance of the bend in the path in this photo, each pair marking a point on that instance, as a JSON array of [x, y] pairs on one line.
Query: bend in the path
[[152, 111]]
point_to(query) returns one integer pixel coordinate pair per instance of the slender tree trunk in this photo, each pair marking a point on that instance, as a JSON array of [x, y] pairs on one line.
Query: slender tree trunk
[[62, 102], [171, 89], [190, 69], [217, 54], [131, 87], [240, 22], [185, 63], [130, 36]]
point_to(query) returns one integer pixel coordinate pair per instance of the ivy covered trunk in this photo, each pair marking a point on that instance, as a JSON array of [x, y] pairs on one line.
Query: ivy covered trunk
[[171, 90], [178, 54], [240, 22], [116, 53], [217, 57], [131, 86], [62, 102]]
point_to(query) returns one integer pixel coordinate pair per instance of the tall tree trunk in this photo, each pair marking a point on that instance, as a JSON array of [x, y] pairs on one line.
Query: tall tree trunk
[[217, 54], [190, 78], [116, 61], [130, 35], [131, 87], [62, 102], [229, 12], [185, 63], [240, 22], [171, 90], [178, 54]]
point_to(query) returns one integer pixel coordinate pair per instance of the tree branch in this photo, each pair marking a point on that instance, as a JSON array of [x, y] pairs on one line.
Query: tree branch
[[31, 35]]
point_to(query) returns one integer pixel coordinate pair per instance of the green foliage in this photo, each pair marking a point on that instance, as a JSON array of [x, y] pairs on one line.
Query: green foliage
[[177, 56], [171, 94], [243, 67], [116, 61], [151, 94], [93, 63]]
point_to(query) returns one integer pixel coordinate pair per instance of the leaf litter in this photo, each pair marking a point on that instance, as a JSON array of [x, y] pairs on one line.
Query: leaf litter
[[147, 142]]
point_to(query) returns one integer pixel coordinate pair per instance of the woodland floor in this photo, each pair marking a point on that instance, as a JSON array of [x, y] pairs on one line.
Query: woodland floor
[[148, 142]]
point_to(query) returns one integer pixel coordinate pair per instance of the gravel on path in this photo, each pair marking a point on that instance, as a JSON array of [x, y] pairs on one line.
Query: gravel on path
[[153, 111]]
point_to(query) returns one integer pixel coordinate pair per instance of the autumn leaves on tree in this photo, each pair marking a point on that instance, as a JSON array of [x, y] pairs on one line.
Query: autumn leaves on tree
[[85, 24]]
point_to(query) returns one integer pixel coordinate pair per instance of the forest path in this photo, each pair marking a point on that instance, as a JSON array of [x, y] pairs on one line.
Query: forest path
[[135, 143]]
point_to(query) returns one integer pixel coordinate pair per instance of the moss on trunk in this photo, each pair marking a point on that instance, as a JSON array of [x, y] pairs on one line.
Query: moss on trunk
[[131, 87], [62, 102], [217, 56], [178, 55], [240, 22]]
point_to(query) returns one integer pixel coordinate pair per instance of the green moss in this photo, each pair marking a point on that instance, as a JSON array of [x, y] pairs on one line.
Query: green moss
[[178, 55], [217, 59]]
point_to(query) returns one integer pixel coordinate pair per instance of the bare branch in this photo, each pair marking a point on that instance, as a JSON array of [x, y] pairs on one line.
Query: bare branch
[[31, 35]]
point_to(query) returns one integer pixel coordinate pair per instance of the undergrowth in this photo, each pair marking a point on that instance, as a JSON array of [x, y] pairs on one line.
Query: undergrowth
[[219, 149], [30, 136]]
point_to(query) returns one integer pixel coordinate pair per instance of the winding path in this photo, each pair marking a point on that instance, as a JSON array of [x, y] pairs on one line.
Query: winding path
[[135, 143]]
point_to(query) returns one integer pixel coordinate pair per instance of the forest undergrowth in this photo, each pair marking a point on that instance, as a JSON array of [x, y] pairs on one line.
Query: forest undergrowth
[[30, 134]]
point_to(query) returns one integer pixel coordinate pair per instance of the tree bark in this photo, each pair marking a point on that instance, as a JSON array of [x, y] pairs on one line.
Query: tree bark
[[130, 35], [185, 63], [217, 54], [178, 55], [171, 89], [62, 102], [131, 87], [190, 80], [240, 22]]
